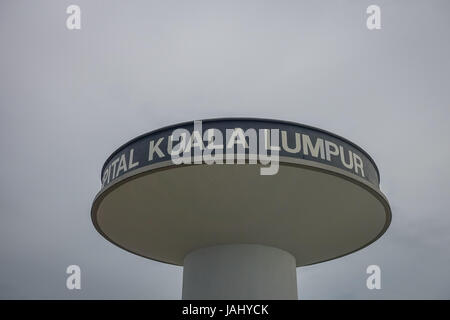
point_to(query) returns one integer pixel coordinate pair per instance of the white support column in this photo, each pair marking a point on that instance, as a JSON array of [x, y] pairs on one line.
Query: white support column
[[239, 271]]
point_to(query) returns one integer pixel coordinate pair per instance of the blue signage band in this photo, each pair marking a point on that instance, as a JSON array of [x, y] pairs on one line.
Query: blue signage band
[[298, 144]]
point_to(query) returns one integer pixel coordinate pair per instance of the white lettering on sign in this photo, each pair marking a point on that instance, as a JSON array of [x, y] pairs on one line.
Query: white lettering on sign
[[235, 145], [111, 173], [246, 142]]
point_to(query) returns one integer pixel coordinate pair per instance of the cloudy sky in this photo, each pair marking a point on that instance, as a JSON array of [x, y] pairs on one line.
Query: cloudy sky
[[70, 98]]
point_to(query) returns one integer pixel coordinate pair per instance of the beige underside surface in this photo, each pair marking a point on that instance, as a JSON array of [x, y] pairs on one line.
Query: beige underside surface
[[314, 215]]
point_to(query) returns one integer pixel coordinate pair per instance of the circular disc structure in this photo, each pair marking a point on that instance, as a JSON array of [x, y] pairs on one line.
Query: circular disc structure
[[240, 181]]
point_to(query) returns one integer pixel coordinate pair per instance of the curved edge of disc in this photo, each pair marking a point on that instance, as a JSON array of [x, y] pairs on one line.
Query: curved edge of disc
[[167, 165]]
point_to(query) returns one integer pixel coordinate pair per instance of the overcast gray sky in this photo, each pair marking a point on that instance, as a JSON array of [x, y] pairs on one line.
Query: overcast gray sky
[[70, 98]]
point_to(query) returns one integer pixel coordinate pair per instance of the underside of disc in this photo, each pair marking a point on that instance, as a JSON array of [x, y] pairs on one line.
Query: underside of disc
[[312, 211]]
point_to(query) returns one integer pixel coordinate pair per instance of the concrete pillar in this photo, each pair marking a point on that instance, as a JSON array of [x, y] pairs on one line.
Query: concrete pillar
[[239, 271]]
